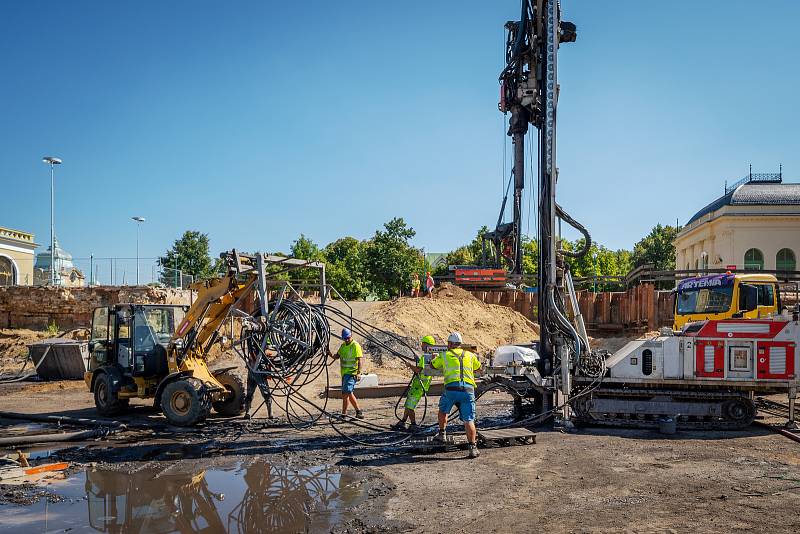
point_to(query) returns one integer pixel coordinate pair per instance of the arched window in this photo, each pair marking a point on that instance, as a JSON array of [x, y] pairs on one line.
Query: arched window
[[8, 277], [785, 260], [753, 259]]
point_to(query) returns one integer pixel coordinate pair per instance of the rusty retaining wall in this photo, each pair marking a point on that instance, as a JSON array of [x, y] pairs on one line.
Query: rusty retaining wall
[[640, 308]]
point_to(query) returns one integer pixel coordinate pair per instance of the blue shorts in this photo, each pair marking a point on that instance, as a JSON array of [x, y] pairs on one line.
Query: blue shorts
[[348, 383], [465, 401]]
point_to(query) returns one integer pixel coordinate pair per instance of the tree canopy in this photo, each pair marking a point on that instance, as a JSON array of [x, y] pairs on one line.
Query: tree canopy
[[657, 248], [188, 255]]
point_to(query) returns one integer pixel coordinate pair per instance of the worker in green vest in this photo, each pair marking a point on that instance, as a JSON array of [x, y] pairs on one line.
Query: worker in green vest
[[458, 367], [349, 356], [418, 387]]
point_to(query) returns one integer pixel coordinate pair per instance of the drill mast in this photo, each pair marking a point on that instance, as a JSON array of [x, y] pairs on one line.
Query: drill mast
[[529, 92]]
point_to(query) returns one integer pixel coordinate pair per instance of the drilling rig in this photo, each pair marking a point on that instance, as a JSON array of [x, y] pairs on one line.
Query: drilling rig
[[703, 376], [529, 94]]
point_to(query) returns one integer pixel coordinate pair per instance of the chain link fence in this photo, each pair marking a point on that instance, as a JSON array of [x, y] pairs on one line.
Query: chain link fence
[[94, 270]]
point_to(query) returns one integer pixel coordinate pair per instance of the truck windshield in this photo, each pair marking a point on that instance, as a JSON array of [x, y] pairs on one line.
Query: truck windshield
[[704, 300]]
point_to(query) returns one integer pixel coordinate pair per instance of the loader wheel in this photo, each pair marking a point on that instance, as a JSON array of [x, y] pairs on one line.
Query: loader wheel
[[234, 397], [106, 399], [185, 402]]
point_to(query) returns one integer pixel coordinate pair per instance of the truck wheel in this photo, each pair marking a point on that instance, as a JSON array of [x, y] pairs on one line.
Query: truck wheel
[[234, 397], [105, 398], [185, 402]]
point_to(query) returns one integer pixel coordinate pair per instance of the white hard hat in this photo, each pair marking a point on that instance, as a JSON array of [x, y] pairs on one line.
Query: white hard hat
[[455, 337]]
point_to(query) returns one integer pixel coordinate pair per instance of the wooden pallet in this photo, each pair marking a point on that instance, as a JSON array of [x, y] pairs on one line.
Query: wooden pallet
[[502, 437], [427, 444], [506, 436]]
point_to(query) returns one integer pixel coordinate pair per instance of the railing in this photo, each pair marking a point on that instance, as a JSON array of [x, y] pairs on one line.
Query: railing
[[763, 177]]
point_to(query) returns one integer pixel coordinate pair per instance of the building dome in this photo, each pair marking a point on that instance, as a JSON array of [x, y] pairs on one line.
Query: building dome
[[63, 259], [754, 193]]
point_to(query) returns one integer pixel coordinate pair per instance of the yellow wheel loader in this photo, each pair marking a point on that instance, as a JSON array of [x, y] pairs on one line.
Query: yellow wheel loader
[[159, 352]]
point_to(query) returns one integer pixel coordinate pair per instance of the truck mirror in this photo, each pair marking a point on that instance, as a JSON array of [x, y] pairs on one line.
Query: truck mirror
[[748, 297], [91, 346]]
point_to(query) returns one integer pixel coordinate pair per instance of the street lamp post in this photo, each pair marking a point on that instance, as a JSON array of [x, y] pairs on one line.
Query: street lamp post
[[139, 221], [594, 263], [52, 161], [704, 261]]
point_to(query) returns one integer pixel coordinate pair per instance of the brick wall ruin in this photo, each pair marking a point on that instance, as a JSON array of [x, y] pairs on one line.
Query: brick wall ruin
[[36, 307]]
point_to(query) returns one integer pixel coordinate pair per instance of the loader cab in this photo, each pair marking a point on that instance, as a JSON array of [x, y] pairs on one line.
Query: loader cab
[[133, 338], [726, 296]]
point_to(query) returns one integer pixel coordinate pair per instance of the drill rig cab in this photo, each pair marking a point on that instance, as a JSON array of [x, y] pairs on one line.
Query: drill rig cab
[[133, 355]]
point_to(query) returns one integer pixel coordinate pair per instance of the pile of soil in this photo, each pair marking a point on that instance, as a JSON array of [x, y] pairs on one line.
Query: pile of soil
[[451, 309]]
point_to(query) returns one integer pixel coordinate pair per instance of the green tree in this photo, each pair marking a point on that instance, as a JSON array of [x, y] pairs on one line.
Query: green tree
[[345, 267], [389, 259], [305, 249], [189, 255], [657, 248]]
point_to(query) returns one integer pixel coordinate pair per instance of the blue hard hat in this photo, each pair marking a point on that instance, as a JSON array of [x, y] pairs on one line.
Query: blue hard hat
[[346, 334]]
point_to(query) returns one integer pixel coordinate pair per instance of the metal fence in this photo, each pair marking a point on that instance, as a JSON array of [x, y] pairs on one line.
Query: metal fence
[[101, 270]]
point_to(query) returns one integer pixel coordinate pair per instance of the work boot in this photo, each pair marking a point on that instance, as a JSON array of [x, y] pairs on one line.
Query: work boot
[[359, 414], [473, 451], [440, 437], [413, 428], [400, 426]]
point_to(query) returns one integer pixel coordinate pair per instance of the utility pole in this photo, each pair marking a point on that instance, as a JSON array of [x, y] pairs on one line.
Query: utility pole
[[139, 221], [52, 161]]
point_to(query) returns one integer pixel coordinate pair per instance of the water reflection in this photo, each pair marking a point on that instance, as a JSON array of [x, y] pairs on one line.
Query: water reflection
[[253, 498]]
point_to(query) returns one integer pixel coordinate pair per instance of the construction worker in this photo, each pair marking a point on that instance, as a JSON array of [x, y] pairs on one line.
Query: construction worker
[[458, 367], [349, 356], [415, 285], [418, 387]]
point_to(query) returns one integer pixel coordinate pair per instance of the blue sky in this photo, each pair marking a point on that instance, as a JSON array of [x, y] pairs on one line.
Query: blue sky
[[256, 121]]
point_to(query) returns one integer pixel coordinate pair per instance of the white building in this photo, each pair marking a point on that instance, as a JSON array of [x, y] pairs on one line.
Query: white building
[[754, 225]]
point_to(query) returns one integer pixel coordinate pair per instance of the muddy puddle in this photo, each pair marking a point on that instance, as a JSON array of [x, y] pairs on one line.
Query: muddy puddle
[[244, 497]]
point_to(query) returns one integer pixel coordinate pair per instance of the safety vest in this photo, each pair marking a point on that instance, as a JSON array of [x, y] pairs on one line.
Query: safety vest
[[458, 366], [348, 357], [423, 379]]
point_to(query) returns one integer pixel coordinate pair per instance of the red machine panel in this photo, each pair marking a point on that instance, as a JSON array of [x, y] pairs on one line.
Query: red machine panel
[[480, 277], [738, 329], [709, 358], [775, 359]]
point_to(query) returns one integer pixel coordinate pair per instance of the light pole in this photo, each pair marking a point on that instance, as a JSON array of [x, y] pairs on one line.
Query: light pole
[[52, 161], [139, 221], [594, 262], [704, 261]]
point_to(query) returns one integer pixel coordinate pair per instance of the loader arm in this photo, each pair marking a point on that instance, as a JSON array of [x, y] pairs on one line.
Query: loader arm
[[215, 298]]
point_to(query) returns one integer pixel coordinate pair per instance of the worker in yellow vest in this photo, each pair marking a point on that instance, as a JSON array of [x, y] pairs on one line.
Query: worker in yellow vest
[[458, 367], [418, 387], [349, 356]]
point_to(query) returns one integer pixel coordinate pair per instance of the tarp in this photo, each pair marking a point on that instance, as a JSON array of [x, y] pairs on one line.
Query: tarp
[[513, 354]]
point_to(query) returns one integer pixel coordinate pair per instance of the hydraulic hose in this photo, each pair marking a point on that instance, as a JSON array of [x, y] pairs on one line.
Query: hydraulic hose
[[79, 435], [587, 245]]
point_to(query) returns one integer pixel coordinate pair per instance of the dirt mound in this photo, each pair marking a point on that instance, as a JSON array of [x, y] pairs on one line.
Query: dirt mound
[[450, 309]]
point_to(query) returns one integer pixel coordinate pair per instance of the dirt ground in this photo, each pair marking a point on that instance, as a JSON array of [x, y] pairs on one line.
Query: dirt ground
[[592, 480]]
